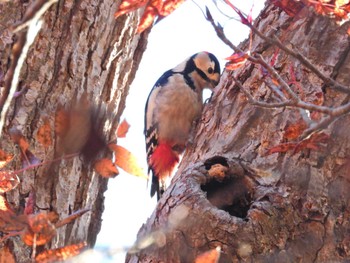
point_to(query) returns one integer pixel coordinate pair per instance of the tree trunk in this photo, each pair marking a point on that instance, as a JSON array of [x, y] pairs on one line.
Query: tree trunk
[[82, 55], [281, 207]]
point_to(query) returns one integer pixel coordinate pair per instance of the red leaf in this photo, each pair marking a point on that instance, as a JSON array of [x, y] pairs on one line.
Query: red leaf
[[294, 130], [313, 142], [281, 148], [237, 60], [291, 7]]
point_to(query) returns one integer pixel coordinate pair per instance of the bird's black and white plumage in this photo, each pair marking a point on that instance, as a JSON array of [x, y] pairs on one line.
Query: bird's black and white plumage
[[174, 104]]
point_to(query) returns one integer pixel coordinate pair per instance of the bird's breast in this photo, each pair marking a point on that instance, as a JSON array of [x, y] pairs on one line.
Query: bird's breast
[[178, 109]]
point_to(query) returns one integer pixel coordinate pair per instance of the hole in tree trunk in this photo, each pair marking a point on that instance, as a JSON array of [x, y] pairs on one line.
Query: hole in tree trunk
[[227, 191]]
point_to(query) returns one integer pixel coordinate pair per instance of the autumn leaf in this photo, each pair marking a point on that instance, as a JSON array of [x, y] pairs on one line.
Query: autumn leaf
[[236, 61], [8, 181], [106, 168], [169, 6], [40, 230], [281, 148], [60, 254], [147, 18], [4, 205], [127, 161], [153, 9], [291, 7], [211, 256], [43, 135], [294, 130], [27, 157], [6, 255], [5, 158], [123, 129], [127, 6], [311, 143]]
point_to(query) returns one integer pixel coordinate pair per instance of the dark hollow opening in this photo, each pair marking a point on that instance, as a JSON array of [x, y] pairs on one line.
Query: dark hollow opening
[[233, 194]]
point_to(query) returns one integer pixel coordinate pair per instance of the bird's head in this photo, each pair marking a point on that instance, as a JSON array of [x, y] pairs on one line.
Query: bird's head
[[208, 68]]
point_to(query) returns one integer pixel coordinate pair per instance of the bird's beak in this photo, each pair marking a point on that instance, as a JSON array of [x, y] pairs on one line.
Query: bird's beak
[[214, 82]]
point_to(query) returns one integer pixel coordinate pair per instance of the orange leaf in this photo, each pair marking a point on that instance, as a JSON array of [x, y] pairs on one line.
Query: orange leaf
[[169, 6], [44, 134], [106, 168], [27, 157], [127, 161], [6, 255], [60, 254], [5, 158], [129, 5], [211, 256], [8, 181], [281, 148], [237, 60], [40, 230], [123, 129], [4, 205], [293, 131], [147, 19], [313, 142]]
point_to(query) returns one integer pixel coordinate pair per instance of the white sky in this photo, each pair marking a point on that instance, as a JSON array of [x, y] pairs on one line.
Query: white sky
[[183, 33]]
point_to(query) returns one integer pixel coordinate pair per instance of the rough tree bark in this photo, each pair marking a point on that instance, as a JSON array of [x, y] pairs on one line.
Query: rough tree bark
[[283, 207], [81, 49]]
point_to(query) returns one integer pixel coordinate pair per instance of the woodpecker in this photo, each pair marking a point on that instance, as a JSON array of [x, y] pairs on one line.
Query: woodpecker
[[173, 105]]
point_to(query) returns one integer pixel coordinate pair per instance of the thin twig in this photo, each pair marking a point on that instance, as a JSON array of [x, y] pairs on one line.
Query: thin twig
[[275, 41]]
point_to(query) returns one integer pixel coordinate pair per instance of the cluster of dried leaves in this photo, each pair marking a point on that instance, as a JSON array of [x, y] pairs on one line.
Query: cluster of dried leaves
[[337, 9], [154, 9], [38, 228]]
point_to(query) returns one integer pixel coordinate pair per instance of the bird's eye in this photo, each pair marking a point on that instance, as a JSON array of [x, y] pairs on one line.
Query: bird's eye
[[210, 70]]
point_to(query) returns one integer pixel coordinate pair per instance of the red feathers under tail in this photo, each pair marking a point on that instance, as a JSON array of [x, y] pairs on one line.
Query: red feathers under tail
[[162, 162]]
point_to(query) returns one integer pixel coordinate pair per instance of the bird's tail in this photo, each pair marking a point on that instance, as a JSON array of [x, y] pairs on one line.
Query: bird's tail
[[162, 162]]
